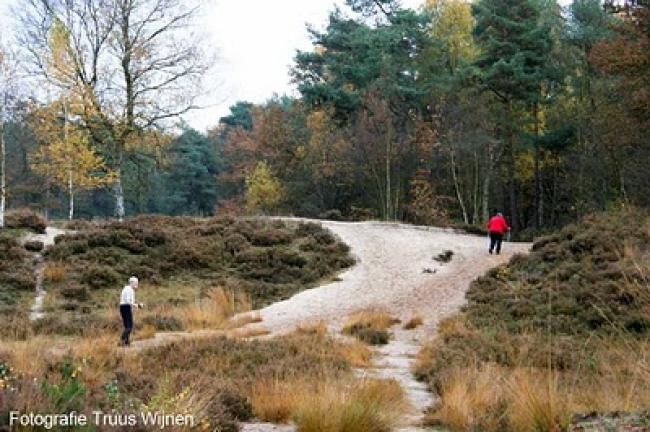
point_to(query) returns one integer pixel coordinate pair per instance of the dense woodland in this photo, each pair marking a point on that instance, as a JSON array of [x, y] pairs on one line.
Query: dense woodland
[[432, 116]]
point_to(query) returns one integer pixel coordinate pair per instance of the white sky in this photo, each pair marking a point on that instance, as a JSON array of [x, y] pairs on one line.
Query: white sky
[[256, 41]]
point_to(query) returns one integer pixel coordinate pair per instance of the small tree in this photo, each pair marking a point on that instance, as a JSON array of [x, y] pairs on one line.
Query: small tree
[[263, 190], [66, 156]]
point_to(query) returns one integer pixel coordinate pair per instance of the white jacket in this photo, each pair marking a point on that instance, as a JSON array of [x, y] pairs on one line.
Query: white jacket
[[128, 296]]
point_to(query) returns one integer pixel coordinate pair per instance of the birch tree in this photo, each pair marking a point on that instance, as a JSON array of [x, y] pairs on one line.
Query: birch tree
[[8, 71], [134, 64], [65, 155]]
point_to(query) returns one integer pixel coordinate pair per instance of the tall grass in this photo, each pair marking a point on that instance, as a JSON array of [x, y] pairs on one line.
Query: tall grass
[[322, 404], [54, 272], [214, 310]]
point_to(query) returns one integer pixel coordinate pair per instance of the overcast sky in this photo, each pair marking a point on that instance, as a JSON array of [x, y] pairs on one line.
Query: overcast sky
[[256, 41]]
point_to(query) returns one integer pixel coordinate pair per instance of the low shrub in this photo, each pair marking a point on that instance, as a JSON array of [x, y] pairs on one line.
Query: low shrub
[[559, 331], [444, 257], [369, 326], [17, 280], [25, 219], [34, 245], [163, 322], [413, 323], [472, 229], [262, 258], [333, 214]]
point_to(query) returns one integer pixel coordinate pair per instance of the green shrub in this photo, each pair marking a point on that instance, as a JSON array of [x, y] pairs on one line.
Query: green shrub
[[577, 280], [264, 258], [27, 219], [163, 323], [98, 276], [67, 393], [372, 336], [34, 245], [333, 214]]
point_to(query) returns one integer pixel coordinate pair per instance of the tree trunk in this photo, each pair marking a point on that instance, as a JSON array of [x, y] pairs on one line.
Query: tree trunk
[[3, 179], [512, 179], [66, 137], [476, 190], [46, 206], [387, 205], [538, 179], [70, 196], [485, 213], [119, 195], [459, 195], [554, 212]]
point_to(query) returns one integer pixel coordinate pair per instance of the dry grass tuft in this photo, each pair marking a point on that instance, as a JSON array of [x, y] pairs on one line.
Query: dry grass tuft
[[413, 323], [54, 272], [147, 331], [316, 328], [364, 406], [214, 310], [492, 398], [326, 405], [249, 332], [369, 326], [276, 401], [356, 353]]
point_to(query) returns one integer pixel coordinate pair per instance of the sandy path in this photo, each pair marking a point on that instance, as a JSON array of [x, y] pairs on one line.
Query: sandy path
[[390, 275], [51, 233]]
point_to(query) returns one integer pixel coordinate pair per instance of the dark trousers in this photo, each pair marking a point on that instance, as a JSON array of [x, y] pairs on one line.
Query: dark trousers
[[126, 312], [495, 240]]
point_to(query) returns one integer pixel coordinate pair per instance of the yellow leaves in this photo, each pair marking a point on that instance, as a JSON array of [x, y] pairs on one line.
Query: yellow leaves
[[263, 190], [65, 154], [60, 62], [452, 24], [327, 145]]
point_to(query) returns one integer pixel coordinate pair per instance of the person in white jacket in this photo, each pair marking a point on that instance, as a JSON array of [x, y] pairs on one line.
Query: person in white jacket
[[127, 303]]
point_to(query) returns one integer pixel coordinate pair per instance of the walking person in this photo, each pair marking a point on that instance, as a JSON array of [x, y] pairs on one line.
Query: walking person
[[127, 303], [497, 227]]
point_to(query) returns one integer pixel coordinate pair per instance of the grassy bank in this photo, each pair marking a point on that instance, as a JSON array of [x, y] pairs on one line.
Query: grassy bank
[[561, 331], [305, 377], [181, 262]]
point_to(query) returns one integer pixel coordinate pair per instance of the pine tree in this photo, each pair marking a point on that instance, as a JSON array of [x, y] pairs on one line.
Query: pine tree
[[515, 44]]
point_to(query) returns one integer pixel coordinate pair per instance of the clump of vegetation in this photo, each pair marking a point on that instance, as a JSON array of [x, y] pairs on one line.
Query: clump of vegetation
[[444, 257], [560, 331], [179, 260], [25, 219], [16, 282], [585, 278], [370, 326], [413, 323], [34, 245], [367, 405], [219, 380]]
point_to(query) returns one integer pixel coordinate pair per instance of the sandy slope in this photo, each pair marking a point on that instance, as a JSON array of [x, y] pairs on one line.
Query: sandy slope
[[390, 275]]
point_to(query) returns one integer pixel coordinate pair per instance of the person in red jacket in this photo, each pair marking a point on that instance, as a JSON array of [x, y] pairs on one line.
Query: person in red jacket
[[497, 227]]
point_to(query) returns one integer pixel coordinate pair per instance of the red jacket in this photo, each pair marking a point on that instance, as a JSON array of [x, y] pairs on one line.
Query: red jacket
[[497, 224]]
